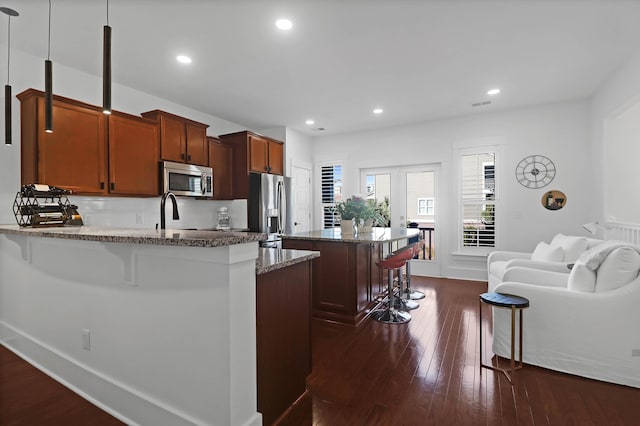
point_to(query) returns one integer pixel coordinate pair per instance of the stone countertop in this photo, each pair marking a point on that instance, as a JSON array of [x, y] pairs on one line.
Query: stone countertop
[[167, 237], [378, 235], [271, 259]]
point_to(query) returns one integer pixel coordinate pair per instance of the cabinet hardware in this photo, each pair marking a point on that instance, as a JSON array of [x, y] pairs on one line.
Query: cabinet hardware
[[101, 185], [113, 185]]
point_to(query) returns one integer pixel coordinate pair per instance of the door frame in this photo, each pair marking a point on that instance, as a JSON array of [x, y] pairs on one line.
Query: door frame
[[398, 214]]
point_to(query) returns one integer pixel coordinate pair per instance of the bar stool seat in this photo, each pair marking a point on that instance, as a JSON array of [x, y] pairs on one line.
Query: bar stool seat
[[390, 314]]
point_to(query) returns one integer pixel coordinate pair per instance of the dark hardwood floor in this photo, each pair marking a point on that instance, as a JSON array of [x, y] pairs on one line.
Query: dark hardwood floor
[[426, 372], [28, 397], [421, 373]]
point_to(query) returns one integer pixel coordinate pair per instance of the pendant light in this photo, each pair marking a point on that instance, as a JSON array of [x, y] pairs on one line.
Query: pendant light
[[48, 84], [106, 66], [7, 87]]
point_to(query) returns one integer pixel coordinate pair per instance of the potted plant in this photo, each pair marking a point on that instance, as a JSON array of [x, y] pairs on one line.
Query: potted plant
[[351, 211]]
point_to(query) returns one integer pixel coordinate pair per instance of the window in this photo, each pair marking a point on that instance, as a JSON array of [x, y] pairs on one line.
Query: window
[[425, 207], [331, 181], [478, 199]]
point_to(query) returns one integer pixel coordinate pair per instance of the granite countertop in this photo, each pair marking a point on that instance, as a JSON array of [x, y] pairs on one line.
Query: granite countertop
[[376, 236], [167, 237], [271, 259]]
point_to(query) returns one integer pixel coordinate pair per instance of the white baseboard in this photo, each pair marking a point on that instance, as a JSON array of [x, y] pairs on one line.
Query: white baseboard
[[126, 404]]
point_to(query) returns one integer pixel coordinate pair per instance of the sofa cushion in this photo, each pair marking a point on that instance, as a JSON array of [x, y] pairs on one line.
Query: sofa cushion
[[620, 267], [547, 253], [498, 268], [572, 246], [581, 278]]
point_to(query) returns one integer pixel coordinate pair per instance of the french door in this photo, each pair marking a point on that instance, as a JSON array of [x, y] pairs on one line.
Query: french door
[[411, 195]]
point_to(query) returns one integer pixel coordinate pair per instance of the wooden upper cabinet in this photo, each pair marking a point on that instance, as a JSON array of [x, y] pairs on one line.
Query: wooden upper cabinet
[[220, 160], [258, 154], [253, 153], [181, 140], [134, 155], [74, 155], [276, 158]]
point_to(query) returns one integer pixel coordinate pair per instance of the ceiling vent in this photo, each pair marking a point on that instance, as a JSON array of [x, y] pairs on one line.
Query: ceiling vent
[[483, 103]]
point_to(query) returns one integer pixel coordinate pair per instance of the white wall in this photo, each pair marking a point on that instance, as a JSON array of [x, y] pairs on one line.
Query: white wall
[[558, 131], [28, 72], [614, 113]]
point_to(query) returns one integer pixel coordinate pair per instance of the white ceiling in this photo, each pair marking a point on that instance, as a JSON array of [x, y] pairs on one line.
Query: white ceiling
[[419, 60]]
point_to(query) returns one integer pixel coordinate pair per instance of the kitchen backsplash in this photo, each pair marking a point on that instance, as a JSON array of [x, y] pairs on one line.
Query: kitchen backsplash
[[145, 212]]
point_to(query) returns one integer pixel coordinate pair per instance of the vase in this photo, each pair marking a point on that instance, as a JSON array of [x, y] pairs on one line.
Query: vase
[[366, 227], [346, 226]]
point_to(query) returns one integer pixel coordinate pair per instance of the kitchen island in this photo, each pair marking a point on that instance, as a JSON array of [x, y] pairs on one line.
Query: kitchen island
[[346, 278], [153, 326]]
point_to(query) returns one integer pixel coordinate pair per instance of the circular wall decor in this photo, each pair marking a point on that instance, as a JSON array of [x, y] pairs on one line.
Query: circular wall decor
[[535, 171], [553, 200]]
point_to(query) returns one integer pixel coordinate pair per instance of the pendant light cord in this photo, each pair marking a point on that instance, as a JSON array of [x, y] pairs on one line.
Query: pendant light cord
[[107, 13], [49, 43]]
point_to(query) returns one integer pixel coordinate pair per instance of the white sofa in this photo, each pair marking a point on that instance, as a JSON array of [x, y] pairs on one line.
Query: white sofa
[[583, 323], [555, 256]]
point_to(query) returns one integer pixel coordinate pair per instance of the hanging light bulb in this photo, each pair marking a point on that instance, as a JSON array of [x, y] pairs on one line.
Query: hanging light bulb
[[48, 84], [7, 87], [106, 66]]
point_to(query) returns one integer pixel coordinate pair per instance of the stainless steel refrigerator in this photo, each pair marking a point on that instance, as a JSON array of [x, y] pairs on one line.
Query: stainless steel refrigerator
[[269, 206]]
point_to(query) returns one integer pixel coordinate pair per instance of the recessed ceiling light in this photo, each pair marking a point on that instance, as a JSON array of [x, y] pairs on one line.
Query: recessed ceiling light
[[493, 92], [284, 24], [378, 111], [310, 122], [183, 59]]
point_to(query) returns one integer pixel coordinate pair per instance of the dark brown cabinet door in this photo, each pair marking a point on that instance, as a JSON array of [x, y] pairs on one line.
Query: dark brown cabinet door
[[220, 160], [258, 154], [276, 160], [74, 155], [134, 148], [197, 147], [173, 136], [181, 140]]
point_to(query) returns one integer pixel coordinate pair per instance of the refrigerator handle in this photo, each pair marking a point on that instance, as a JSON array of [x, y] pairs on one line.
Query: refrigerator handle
[[281, 207]]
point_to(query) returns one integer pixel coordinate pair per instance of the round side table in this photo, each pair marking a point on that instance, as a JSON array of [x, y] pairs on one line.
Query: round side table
[[515, 303]]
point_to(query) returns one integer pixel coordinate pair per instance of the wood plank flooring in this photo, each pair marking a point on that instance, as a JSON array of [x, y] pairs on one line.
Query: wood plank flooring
[[426, 372], [421, 373], [28, 397]]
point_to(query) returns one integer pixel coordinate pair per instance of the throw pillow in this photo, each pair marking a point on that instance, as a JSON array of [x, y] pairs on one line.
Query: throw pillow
[[619, 268], [547, 253], [581, 278], [572, 246]]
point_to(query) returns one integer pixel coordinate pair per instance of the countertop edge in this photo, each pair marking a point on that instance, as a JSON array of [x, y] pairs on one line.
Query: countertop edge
[[273, 259], [168, 237]]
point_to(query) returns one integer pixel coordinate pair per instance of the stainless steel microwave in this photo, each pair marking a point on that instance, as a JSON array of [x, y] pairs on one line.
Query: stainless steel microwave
[[187, 179]]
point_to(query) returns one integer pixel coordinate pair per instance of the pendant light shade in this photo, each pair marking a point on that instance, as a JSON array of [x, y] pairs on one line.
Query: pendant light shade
[[48, 84], [106, 71], [48, 96], [106, 66], [7, 87], [7, 114]]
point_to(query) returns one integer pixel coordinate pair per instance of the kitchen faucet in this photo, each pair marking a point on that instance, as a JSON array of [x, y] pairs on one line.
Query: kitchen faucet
[[163, 201]]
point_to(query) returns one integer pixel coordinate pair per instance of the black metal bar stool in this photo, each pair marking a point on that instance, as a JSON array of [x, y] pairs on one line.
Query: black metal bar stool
[[390, 314]]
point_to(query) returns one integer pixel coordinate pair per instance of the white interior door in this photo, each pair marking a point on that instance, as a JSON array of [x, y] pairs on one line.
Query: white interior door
[[301, 188]]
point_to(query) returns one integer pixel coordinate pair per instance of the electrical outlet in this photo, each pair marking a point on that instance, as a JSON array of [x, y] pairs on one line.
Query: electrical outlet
[[635, 352], [86, 339]]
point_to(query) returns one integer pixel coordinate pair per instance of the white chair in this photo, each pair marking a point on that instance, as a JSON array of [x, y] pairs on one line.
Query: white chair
[[555, 256], [584, 322]]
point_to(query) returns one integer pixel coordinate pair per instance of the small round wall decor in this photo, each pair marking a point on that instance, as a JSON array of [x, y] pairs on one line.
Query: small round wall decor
[[553, 200], [535, 171]]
